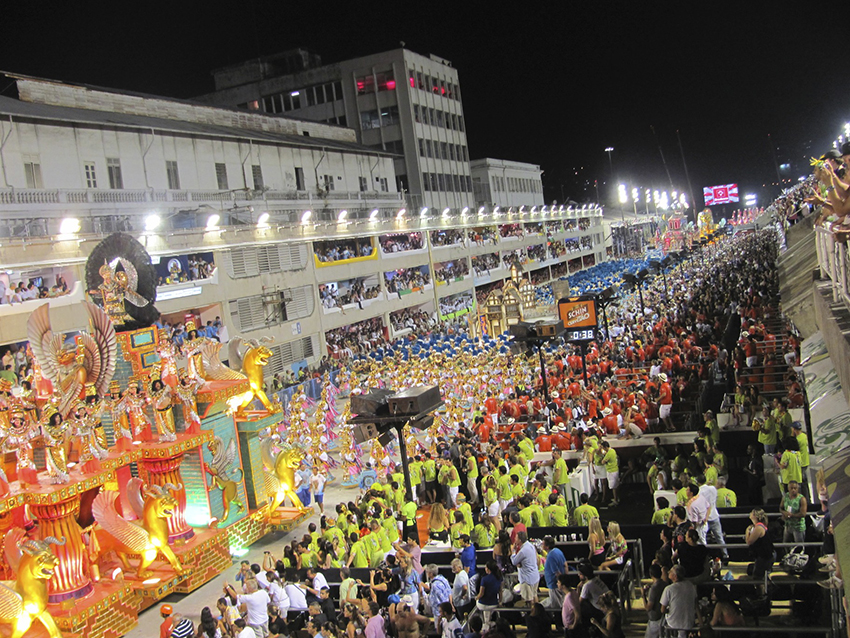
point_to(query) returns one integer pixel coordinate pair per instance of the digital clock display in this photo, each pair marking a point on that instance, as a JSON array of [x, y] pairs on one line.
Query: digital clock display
[[588, 334]]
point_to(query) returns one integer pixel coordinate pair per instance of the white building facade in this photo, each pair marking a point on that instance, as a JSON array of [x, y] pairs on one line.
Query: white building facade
[[397, 101], [249, 194], [506, 182]]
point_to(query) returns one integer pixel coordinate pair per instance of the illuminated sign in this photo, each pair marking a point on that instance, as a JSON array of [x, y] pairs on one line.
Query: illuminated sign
[[579, 317]]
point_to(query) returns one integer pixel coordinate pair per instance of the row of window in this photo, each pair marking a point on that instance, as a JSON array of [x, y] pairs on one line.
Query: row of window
[[445, 183], [443, 150], [32, 173], [517, 184], [377, 118], [377, 82], [436, 117], [294, 100], [393, 146], [425, 82]]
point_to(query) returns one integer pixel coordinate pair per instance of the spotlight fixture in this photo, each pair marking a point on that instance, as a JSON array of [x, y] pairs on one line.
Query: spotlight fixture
[[212, 221], [152, 222], [306, 216]]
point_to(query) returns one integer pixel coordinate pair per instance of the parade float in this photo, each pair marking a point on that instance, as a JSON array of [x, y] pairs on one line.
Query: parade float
[[138, 466]]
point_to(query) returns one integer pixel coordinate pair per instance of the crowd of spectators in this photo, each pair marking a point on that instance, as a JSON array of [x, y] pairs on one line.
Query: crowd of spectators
[[339, 249], [536, 252], [830, 195], [455, 303], [414, 318], [511, 230], [450, 270], [514, 258], [351, 291], [534, 228], [485, 263], [33, 289], [447, 237], [357, 338], [484, 235], [407, 279], [557, 249], [553, 228], [401, 242]]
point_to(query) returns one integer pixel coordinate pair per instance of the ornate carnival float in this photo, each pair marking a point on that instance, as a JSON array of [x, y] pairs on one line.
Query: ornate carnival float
[[138, 466]]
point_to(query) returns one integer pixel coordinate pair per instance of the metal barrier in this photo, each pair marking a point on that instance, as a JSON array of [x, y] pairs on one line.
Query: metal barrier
[[834, 263]]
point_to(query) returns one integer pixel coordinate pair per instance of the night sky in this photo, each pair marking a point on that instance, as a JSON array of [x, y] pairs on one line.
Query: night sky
[[553, 85]]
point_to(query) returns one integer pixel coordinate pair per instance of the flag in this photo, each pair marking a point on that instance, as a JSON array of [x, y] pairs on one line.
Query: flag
[[722, 194]]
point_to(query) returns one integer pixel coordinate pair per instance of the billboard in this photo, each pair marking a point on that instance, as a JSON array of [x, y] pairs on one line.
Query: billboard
[[722, 194], [579, 317]]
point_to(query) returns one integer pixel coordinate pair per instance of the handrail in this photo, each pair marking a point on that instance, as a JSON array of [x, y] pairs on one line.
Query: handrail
[[834, 263]]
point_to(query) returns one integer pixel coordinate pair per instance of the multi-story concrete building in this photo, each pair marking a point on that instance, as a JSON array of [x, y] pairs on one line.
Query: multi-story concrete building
[[397, 101], [242, 194], [506, 182]]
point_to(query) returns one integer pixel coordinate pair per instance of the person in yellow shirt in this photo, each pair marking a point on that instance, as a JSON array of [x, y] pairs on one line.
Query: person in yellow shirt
[[681, 492], [472, 475], [466, 510], [660, 516], [612, 468], [415, 470], [517, 490], [560, 473], [452, 481], [803, 444], [555, 514], [526, 447], [429, 467], [524, 511], [585, 512], [358, 555], [376, 539], [484, 534], [710, 471], [458, 529], [504, 488], [725, 496], [537, 517]]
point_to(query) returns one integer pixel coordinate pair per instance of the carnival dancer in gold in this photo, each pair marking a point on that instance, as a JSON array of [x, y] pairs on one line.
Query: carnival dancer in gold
[[17, 431], [161, 398], [56, 440], [134, 404], [121, 430]]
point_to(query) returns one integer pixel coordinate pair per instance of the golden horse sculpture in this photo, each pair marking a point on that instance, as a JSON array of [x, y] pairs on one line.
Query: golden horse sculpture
[[253, 361], [154, 505], [25, 601], [219, 470], [281, 478]]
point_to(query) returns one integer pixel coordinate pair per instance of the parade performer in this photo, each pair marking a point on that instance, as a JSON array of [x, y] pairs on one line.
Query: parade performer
[[186, 392], [56, 440], [161, 399], [17, 432]]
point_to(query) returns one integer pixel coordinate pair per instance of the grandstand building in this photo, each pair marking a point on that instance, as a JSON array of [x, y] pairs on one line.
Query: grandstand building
[[281, 227]]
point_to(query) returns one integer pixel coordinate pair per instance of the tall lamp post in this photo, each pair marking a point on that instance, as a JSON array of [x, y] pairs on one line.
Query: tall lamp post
[[603, 300], [635, 281]]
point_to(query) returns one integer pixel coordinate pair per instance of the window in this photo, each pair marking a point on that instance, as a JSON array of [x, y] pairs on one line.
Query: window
[[460, 123], [337, 88], [440, 121], [364, 184], [172, 175], [299, 179], [342, 120], [441, 182], [369, 120], [428, 150], [421, 147], [91, 175], [416, 115], [32, 170], [221, 175], [386, 81], [328, 182], [320, 95], [412, 75], [113, 170], [434, 182], [389, 115], [426, 182], [419, 80], [432, 117], [382, 181], [444, 151], [401, 184], [452, 152], [257, 174], [365, 84]]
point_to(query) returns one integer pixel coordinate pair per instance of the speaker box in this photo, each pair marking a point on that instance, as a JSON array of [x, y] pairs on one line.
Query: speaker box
[[415, 400], [372, 404], [364, 432]]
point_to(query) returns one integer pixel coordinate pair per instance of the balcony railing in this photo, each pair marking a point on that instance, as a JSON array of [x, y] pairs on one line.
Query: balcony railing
[[834, 261]]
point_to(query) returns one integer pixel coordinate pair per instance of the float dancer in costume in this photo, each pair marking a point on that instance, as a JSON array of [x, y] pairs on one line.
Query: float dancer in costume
[[168, 352], [56, 439], [134, 403], [17, 432], [161, 398], [120, 419], [186, 391], [193, 348], [88, 430]]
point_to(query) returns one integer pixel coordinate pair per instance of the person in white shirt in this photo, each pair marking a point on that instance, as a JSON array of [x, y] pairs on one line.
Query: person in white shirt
[[244, 630], [278, 594], [297, 598], [256, 602], [317, 487], [715, 530], [698, 509]]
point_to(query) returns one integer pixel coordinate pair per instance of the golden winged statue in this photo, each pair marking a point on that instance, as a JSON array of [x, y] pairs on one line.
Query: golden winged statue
[[117, 287], [154, 505], [280, 477], [91, 360], [25, 600], [219, 469], [253, 361]]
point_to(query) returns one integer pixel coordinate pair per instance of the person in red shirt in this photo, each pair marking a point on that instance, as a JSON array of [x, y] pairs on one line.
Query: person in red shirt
[[492, 406], [609, 422], [544, 442], [665, 402], [167, 623], [560, 439]]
